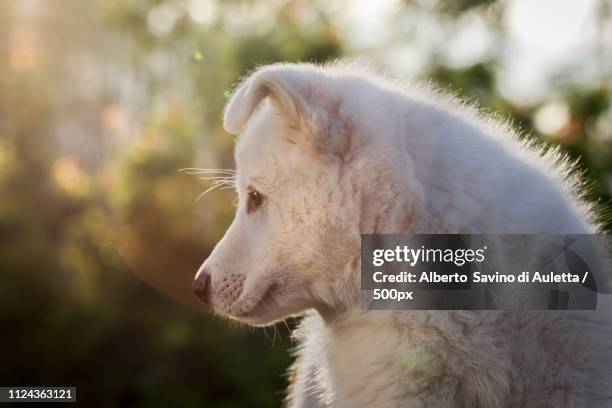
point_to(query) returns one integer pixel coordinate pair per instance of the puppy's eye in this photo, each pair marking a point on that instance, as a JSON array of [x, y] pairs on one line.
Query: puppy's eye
[[254, 200]]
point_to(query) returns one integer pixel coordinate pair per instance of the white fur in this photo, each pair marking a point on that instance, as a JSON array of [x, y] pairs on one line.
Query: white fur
[[338, 151]]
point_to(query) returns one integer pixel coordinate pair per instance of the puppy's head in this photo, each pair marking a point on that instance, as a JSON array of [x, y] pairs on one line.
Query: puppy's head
[[294, 243]]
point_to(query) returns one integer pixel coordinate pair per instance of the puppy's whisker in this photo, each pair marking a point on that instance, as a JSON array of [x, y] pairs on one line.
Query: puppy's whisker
[[206, 169], [225, 182], [222, 179], [216, 178], [214, 186], [193, 170], [212, 173]]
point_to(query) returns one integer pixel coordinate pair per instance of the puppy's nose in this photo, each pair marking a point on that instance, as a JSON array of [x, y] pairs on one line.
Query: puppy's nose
[[201, 286]]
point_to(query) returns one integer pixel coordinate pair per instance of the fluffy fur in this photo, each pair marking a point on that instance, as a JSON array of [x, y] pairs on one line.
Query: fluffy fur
[[337, 151]]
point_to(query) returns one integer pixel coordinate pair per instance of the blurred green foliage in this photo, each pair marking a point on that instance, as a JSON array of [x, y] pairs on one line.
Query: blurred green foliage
[[100, 104]]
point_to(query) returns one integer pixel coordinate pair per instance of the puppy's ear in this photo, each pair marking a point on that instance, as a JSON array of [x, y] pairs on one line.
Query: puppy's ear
[[275, 82]]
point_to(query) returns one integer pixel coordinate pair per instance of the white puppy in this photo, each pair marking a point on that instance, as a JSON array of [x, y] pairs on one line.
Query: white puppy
[[329, 153]]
